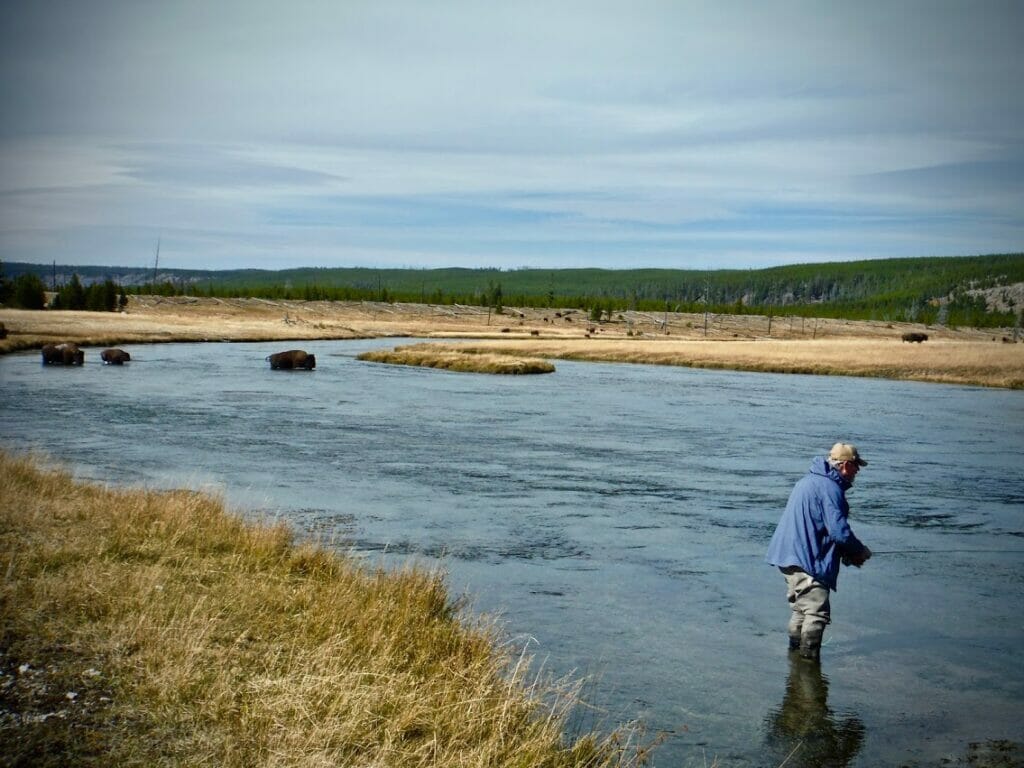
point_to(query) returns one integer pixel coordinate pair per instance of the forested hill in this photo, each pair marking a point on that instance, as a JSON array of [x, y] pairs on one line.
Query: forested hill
[[969, 290]]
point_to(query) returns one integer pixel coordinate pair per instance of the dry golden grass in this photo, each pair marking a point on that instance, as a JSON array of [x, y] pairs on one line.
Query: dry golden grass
[[436, 356], [950, 362], [744, 342], [154, 319], [149, 628]]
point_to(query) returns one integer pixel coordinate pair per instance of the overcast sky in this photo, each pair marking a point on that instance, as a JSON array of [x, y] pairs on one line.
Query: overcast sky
[[244, 133]]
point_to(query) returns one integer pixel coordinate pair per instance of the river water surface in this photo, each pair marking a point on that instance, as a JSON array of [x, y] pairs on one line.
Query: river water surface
[[616, 518]]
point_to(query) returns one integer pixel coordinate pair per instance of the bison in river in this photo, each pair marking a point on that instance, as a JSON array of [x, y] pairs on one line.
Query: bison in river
[[915, 337], [63, 354], [292, 359], [115, 356]]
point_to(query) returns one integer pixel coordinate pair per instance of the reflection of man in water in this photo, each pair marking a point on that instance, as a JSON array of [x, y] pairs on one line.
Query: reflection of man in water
[[804, 729], [811, 539]]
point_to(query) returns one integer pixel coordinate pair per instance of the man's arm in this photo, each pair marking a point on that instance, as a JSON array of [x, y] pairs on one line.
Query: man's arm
[[854, 551]]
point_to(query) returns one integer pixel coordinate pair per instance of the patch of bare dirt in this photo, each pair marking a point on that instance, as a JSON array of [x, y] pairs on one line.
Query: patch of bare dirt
[[1005, 298]]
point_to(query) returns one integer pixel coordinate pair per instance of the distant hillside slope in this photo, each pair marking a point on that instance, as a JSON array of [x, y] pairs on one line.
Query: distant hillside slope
[[964, 289]]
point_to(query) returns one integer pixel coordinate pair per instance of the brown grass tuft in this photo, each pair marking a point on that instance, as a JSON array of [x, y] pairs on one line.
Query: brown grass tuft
[[154, 628], [438, 356]]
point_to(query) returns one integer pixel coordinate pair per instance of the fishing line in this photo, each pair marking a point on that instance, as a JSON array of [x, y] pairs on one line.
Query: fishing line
[[946, 551]]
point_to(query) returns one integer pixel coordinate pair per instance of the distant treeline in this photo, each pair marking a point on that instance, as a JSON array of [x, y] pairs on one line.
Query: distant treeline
[[27, 291], [931, 290]]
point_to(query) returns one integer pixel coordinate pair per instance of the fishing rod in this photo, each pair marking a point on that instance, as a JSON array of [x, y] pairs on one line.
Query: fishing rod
[[946, 551]]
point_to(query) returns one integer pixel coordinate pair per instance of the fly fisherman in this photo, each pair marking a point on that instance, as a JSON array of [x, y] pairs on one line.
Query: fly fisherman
[[811, 539]]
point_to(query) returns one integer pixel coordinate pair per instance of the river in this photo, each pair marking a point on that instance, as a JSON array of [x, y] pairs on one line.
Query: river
[[615, 517]]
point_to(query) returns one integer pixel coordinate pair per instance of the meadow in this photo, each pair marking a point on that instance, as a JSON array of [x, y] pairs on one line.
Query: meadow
[[739, 342], [942, 362]]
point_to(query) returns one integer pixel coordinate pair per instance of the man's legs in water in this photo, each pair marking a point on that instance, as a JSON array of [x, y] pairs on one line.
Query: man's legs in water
[[811, 612]]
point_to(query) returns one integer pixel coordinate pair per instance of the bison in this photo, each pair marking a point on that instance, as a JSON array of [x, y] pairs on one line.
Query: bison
[[292, 359], [915, 337], [63, 354], [115, 356]]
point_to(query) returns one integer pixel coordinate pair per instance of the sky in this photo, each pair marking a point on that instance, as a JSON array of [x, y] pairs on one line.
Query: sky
[[448, 133]]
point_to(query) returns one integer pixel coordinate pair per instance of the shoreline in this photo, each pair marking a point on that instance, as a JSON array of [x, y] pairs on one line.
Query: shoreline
[[732, 342], [151, 627]]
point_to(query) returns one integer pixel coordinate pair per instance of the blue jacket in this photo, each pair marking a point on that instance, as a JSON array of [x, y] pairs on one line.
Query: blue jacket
[[813, 533]]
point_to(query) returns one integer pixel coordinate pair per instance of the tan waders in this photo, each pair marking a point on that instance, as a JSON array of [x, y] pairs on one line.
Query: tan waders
[[811, 612]]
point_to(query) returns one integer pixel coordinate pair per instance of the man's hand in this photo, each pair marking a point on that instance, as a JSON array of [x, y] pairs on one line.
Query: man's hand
[[859, 559]]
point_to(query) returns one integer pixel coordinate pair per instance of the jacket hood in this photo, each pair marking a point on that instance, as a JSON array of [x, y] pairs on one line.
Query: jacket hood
[[820, 466]]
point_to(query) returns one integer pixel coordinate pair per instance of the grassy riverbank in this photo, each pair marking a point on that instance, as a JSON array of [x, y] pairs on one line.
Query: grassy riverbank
[[737, 342], [155, 628], [941, 361]]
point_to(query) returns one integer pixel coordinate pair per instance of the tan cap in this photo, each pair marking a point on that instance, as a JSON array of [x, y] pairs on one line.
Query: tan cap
[[846, 452]]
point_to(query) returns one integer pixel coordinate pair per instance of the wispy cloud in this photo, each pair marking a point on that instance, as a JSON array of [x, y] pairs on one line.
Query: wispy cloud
[[735, 134]]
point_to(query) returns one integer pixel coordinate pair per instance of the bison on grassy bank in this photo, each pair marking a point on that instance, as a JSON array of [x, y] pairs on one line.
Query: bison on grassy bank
[[114, 356], [63, 354], [916, 338], [291, 360]]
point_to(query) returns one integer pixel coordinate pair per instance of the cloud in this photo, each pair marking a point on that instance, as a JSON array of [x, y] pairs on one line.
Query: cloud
[[212, 166], [663, 133]]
